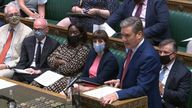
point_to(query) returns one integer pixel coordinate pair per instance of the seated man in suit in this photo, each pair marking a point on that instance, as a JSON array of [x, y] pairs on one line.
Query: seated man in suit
[[12, 36], [153, 13], [174, 79], [140, 72], [35, 51]]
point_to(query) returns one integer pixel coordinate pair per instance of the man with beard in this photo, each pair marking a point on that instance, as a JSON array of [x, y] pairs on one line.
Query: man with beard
[[12, 36]]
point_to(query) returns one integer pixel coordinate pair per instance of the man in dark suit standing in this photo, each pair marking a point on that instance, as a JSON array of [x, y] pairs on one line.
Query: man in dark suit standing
[[174, 79], [140, 72], [35, 51], [153, 13]]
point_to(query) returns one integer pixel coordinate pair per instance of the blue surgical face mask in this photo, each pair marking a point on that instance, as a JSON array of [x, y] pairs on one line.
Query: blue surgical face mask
[[99, 47], [39, 34]]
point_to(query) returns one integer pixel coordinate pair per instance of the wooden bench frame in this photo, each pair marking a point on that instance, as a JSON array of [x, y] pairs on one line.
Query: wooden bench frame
[[114, 42]]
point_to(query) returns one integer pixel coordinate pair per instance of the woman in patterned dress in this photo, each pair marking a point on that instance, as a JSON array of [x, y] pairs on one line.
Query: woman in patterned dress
[[68, 59]]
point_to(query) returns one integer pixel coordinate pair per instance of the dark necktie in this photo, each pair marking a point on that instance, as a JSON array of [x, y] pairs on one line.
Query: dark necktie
[[139, 9], [125, 67], [38, 55]]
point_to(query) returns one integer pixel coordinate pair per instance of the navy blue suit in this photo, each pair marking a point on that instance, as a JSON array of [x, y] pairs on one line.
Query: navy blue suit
[[142, 77], [157, 15], [107, 70], [177, 87]]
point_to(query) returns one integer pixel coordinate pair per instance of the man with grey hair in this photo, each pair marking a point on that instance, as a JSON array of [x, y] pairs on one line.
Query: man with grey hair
[[140, 72], [12, 36], [174, 79]]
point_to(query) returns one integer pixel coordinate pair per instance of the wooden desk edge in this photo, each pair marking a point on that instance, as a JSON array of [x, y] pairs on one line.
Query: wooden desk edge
[[34, 88]]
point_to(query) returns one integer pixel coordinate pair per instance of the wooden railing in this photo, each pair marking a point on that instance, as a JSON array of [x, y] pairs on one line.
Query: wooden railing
[[180, 5], [114, 42]]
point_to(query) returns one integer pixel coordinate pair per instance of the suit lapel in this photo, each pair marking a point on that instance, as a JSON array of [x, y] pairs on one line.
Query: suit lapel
[[136, 55], [45, 51], [131, 7], [171, 74], [148, 12], [31, 48]]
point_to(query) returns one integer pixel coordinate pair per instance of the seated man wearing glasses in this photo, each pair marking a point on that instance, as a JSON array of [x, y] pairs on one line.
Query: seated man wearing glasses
[[12, 36]]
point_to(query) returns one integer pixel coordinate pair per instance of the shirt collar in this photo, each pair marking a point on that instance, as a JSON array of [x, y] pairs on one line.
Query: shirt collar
[[145, 2], [135, 49], [42, 41], [169, 66], [15, 28]]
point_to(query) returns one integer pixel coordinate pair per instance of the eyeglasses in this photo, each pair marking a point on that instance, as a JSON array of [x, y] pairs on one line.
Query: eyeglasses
[[13, 14], [39, 29]]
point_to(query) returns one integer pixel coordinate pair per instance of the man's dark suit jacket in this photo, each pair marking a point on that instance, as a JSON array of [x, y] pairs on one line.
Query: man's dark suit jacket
[[142, 77], [177, 86], [107, 70], [157, 19], [27, 55]]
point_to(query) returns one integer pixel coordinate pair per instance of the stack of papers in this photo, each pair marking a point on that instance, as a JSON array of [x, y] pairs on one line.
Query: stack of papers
[[48, 78], [6, 84], [110, 32], [22, 71], [100, 92], [186, 40]]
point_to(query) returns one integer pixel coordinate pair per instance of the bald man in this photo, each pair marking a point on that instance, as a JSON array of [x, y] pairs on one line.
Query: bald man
[[12, 36], [35, 51]]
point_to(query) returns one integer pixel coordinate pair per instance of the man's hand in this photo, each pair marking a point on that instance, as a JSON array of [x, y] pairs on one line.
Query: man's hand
[[93, 11], [3, 66], [161, 88], [114, 83], [33, 71], [108, 99]]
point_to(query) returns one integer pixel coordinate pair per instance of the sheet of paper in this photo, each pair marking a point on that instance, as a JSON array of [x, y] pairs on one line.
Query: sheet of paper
[[185, 40], [48, 78], [100, 92], [110, 32], [22, 71], [6, 84]]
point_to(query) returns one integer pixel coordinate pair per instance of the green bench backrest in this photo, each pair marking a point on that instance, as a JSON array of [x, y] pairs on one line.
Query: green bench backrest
[[58, 9], [118, 54], [180, 26]]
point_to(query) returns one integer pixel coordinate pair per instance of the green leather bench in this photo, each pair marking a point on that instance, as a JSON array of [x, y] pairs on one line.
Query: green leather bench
[[180, 27]]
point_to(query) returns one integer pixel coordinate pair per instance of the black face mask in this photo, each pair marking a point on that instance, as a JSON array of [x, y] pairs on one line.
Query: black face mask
[[165, 59], [73, 40]]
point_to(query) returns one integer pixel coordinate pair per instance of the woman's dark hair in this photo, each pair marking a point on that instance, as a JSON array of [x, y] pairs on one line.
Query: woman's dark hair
[[101, 34], [83, 36]]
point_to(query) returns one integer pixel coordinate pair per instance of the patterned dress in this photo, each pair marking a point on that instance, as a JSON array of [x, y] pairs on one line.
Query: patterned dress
[[74, 61], [110, 5]]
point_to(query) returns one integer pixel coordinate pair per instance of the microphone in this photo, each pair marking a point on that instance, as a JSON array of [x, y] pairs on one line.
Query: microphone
[[11, 103], [72, 82]]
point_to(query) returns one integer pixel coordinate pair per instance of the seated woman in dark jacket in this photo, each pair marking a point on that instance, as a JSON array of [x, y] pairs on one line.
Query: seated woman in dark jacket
[[101, 64]]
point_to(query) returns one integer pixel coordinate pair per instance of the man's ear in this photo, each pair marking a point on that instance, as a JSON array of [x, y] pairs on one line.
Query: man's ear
[[47, 29], [139, 35]]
